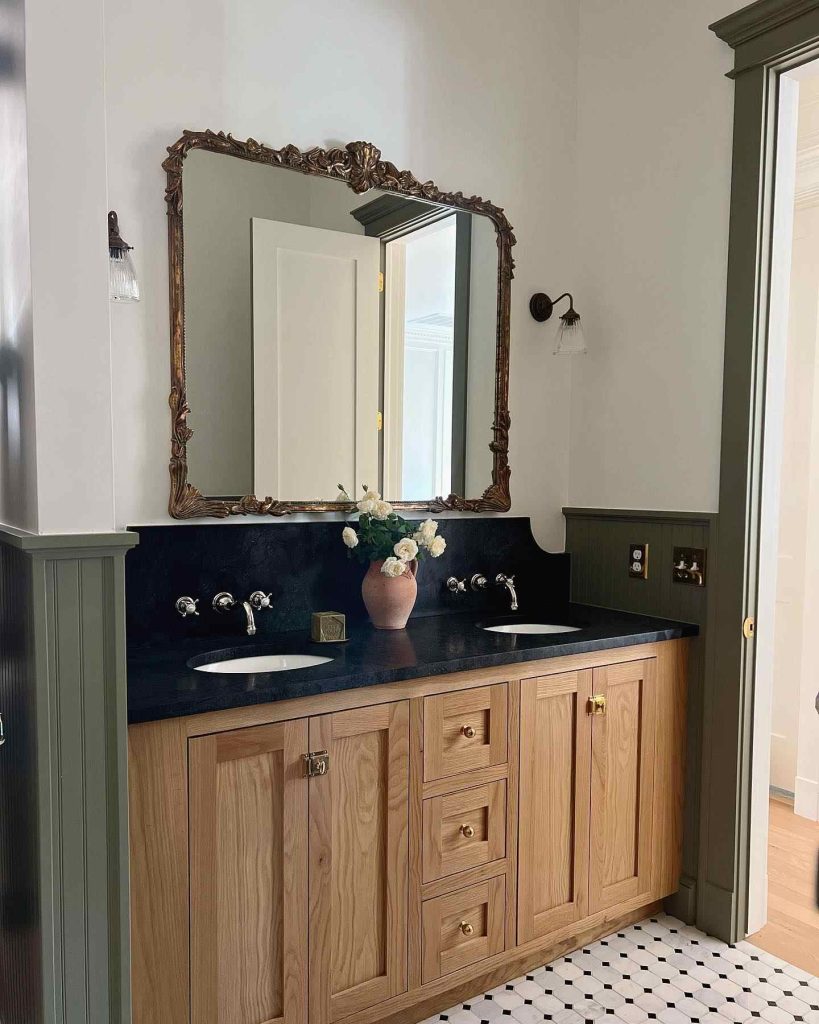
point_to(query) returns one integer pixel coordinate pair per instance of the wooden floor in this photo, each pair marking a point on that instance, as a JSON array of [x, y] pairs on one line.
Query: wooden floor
[[792, 931]]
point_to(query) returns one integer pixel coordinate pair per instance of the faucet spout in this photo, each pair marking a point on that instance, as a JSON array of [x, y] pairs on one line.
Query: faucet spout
[[503, 580], [251, 622]]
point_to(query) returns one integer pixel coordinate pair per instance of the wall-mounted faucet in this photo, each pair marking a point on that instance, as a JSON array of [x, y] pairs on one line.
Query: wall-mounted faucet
[[509, 582], [225, 602]]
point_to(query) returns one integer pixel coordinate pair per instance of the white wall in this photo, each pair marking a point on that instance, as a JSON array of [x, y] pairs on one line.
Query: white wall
[[69, 265], [477, 96], [653, 171], [794, 497], [603, 128]]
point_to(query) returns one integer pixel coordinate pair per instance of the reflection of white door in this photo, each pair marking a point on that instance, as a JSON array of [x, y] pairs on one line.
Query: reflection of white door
[[315, 360]]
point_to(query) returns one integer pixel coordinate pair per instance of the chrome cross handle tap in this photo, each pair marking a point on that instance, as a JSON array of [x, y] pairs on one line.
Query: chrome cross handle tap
[[509, 582], [260, 600], [455, 585], [187, 606]]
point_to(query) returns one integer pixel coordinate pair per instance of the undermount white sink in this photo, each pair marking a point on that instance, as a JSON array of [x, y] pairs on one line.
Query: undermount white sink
[[531, 628], [264, 663]]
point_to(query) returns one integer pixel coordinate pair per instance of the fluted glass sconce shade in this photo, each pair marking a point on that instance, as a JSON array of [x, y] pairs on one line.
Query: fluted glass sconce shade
[[568, 332], [569, 337], [123, 285]]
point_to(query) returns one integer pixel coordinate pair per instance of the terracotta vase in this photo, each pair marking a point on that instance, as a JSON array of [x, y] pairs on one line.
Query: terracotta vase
[[389, 599]]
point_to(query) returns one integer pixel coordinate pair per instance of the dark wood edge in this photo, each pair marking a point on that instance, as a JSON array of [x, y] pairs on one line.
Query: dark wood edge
[[50, 543], [758, 18], [360, 165], [644, 515]]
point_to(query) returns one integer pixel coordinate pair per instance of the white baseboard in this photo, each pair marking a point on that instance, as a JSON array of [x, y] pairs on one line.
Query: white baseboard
[[806, 798]]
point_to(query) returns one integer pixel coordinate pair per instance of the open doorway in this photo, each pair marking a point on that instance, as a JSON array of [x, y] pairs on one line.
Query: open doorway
[[783, 917]]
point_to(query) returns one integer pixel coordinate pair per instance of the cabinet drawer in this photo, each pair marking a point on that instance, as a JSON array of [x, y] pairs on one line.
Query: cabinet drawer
[[464, 731], [463, 927], [464, 830]]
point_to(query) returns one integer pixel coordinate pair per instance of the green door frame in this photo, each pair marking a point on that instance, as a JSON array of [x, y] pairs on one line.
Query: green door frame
[[768, 37]]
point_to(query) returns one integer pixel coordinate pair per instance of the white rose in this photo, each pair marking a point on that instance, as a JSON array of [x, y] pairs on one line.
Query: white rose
[[437, 547], [426, 531], [368, 502], [406, 549], [349, 536], [381, 510], [393, 567]]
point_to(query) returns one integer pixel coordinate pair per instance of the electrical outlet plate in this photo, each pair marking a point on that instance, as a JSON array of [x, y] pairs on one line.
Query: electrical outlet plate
[[689, 566], [638, 561]]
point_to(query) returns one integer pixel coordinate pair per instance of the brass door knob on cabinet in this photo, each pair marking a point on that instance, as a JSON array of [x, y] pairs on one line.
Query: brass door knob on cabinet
[[597, 704], [466, 928], [468, 731], [467, 831]]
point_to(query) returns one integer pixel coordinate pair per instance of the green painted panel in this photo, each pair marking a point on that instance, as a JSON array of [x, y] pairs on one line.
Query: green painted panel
[[21, 962], [599, 541], [77, 715]]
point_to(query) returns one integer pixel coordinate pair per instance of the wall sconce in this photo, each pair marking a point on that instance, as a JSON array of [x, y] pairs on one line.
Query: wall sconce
[[122, 280], [569, 337]]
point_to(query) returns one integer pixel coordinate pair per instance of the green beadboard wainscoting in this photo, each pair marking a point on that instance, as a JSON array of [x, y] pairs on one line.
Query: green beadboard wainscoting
[[598, 541], [63, 793]]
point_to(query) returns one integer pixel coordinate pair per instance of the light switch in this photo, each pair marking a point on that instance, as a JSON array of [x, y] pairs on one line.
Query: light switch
[[689, 566]]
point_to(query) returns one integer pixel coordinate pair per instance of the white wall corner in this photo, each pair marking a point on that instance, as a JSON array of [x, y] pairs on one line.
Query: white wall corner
[[806, 799]]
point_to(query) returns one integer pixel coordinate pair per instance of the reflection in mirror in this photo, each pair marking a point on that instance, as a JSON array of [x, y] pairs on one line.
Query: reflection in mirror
[[332, 337]]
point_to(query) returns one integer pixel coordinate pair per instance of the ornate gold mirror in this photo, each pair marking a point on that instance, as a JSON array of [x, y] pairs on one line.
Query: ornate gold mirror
[[333, 321]]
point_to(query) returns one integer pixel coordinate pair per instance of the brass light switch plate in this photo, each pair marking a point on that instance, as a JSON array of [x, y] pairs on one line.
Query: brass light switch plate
[[638, 561], [689, 566]]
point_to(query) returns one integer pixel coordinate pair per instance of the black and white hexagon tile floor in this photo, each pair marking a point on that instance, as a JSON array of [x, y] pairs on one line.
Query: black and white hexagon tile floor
[[658, 970]]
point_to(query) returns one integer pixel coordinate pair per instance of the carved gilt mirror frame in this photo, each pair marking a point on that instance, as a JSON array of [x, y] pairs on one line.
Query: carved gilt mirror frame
[[360, 165]]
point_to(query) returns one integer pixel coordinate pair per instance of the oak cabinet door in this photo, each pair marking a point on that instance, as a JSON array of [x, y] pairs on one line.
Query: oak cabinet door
[[248, 876], [622, 784], [359, 816], [555, 751]]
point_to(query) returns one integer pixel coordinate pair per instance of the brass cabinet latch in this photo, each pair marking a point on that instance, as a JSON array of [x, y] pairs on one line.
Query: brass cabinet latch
[[596, 705], [749, 628], [316, 763]]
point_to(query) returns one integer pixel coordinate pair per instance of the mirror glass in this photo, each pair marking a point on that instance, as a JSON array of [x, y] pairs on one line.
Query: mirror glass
[[334, 338]]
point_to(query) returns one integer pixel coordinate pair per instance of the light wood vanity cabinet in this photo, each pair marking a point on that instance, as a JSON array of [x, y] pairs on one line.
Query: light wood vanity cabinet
[[591, 817], [248, 875], [358, 861], [468, 827]]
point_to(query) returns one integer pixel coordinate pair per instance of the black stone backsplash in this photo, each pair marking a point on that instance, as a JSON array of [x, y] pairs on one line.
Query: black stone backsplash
[[306, 568]]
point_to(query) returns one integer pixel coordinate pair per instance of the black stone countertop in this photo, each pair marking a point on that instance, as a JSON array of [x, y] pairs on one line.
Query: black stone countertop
[[161, 683]]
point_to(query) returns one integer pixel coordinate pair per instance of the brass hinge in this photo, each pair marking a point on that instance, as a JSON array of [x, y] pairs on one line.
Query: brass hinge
[[381, 280], [379, 421], [749, 628], [316, 763], [596, 705]]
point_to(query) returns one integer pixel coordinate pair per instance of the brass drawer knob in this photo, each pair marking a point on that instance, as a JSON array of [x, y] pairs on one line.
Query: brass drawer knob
[[466, 928], [468, 831], [468, 731]]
